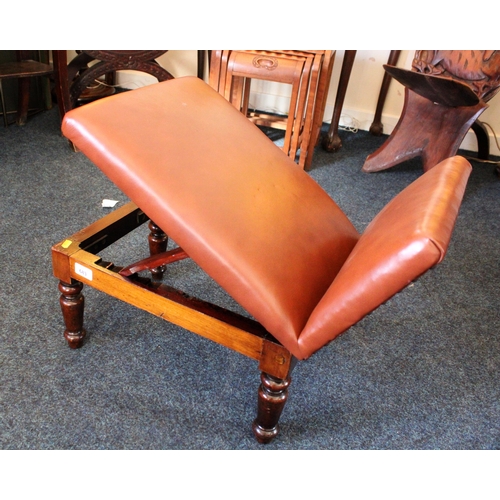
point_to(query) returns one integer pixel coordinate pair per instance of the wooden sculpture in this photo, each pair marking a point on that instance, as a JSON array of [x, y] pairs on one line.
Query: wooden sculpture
[[445, 93]]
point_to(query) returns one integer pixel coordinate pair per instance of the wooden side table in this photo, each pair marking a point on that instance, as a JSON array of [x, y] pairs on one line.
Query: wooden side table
[[331, 141], [24, 71]]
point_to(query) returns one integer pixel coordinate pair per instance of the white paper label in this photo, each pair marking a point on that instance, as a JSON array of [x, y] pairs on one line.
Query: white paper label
[[85, 272]]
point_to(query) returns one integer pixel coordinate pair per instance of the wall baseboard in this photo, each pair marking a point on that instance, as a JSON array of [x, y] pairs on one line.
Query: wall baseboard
[[356, 119], [363, 120]]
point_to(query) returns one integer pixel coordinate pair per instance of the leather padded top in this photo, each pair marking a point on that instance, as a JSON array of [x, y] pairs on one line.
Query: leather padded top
[[248, 215]]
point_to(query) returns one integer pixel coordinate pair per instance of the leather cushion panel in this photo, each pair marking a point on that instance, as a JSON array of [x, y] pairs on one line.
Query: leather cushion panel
[[239, 207], [410, 235]]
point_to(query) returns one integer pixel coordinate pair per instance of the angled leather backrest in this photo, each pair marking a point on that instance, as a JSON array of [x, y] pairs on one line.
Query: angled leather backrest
[[410, 235], [239, 207]]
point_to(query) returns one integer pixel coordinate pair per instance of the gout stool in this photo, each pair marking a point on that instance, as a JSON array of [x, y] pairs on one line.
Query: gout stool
[[253, 220]]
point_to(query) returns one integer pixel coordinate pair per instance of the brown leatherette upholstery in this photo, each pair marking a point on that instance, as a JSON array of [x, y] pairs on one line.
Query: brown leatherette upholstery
[[240, 208], [409, 236], [256, 222]]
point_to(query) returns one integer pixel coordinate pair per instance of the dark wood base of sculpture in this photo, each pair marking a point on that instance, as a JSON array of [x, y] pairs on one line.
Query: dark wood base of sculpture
[[425, 129], [76, 263]]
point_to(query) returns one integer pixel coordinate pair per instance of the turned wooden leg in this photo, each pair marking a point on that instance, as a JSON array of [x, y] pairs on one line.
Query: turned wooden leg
[[331, 141], [158, 242], [273, 394], [377, 128], [72, 305]]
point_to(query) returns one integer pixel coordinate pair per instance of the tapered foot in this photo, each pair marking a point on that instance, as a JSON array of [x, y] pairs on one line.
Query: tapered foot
[[72, 305], [331, 142], [273, 394], [376, 128]]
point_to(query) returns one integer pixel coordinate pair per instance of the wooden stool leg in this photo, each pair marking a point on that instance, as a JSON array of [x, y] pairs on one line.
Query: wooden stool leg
[[273, 394], [72, 305], [158, 242]]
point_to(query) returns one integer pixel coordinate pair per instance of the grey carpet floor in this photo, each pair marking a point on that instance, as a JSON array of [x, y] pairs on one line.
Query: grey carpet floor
[[421, 372]]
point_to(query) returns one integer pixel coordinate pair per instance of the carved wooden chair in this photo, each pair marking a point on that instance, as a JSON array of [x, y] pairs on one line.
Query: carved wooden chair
[[308, 73], [253, 220], [445, 93]]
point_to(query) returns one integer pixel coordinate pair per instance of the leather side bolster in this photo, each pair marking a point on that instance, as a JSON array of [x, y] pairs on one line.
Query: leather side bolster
[[409, 236]]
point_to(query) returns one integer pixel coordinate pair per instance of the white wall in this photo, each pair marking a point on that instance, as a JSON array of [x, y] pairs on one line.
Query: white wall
[[361, 97]]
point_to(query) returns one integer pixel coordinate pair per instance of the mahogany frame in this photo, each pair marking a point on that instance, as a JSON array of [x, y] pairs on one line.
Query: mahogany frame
[[76, 263]]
